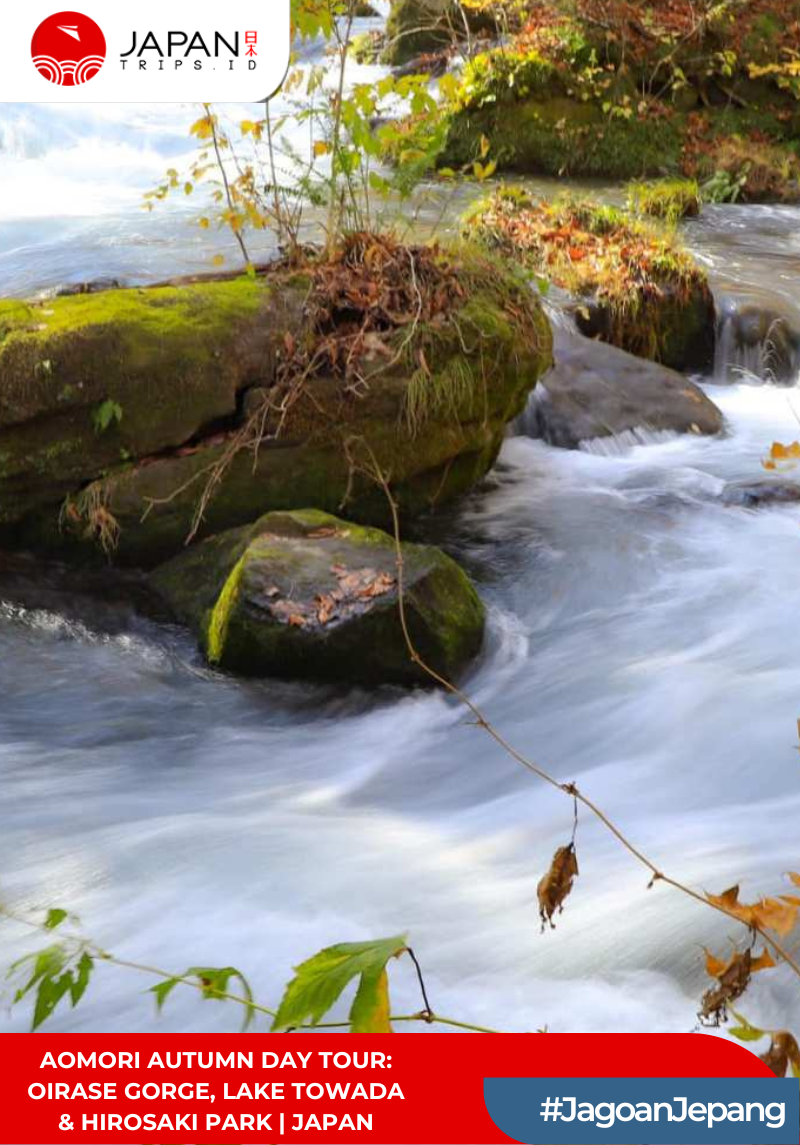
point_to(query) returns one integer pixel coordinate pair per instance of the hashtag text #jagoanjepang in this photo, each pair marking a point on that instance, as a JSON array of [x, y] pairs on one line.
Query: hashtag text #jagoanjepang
[[604, 1114]]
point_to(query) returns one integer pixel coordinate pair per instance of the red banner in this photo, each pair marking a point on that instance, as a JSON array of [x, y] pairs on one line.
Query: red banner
[[322, 1087]]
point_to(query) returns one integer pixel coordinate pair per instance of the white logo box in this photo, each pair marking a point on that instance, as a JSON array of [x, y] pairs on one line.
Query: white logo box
[[191, 51]]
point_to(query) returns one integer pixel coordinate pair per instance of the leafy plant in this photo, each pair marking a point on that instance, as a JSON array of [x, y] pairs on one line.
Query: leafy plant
[[319, 982], [65, 969], [105, 415], [724, 186], [339, 175], [58, 971]]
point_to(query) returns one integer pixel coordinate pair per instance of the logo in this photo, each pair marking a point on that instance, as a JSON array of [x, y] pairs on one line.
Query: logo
[[68, 49]]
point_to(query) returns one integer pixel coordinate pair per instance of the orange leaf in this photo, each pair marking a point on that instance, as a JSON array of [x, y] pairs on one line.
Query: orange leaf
[[728, 900], [793, 875], [780, 452], [764, 962], [775, 915], [715, 967]]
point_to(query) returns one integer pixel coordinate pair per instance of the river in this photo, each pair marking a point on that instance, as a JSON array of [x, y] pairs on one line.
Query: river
[[640, 643]]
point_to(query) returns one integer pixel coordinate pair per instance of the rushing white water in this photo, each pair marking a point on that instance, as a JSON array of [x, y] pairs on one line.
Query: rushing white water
[[641, 642], [72, 180]]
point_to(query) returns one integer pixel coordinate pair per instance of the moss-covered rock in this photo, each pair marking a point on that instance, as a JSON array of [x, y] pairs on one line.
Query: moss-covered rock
[[550, 130], [635, 286], [415, 27], [600, 92], [93, 381], [135, 418], [303, 594]]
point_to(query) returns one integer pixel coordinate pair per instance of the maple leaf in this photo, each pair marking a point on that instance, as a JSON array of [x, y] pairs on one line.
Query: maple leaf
[[772, 914]]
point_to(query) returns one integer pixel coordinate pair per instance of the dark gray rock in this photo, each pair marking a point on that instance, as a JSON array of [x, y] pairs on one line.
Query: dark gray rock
[[595, 390], [758, 336], [754, 494]]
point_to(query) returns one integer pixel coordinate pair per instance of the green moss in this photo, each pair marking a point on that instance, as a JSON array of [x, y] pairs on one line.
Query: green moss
[[563, 136], [667, 199], [221, 614], [163, 311]]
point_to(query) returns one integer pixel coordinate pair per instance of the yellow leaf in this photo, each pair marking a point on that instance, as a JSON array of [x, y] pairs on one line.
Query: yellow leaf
[[793, 875], [203, 128], [321, 148], [204, 223], [187, 188], [218, 259], [373, 1017]]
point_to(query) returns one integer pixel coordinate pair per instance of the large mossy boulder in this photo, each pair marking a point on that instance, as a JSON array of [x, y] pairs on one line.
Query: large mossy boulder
[[303, 594], [138, 418], [634, 285], [608, 92], [597, 391]]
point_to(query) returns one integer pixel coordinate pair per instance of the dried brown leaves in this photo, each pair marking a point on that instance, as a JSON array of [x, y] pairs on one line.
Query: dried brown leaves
[[778, 914], [353, 593], [783, 1052], [733, 978], [555, 886], [370, 288]]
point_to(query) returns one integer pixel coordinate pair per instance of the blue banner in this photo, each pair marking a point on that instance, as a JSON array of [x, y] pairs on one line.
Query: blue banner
[[654, 1111]]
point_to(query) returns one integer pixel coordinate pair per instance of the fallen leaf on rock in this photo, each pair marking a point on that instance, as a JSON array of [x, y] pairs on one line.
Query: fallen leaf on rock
[[326, 531], [326, 608], [379, 586]]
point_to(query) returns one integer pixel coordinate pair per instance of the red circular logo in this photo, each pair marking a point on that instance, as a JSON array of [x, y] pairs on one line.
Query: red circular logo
[[68, 48]]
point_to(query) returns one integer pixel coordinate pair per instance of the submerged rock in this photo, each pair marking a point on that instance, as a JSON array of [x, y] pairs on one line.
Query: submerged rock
[[303, 594], [754, 494], [595, 390], [131, 419], [757, 337]]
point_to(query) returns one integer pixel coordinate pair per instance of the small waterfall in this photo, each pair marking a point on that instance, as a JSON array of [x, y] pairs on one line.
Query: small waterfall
[[756, 344]]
